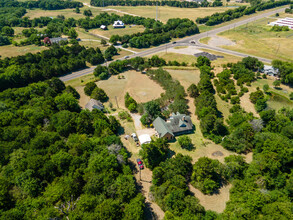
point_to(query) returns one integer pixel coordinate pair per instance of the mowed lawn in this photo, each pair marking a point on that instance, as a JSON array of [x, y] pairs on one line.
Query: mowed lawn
[[165, 12], [129, 29], [257, 39]]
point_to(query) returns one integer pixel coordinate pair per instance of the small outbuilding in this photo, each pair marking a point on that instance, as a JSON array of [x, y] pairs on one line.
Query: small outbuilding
[[144, 139], [57, 40], [270, 70], [118, 24], [103, 27], [94, 104]]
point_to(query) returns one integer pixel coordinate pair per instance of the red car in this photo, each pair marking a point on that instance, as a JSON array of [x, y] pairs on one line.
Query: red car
[[140, 164]]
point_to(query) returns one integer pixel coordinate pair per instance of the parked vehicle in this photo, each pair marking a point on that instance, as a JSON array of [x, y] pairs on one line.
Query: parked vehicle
[[133, 135], [139, 163]]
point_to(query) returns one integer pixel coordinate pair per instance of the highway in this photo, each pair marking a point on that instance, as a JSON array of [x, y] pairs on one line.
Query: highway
[[186, 42]]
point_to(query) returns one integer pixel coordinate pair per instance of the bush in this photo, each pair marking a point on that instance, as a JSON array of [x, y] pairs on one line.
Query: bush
[[89, 88], [185, 142], [124, 116]]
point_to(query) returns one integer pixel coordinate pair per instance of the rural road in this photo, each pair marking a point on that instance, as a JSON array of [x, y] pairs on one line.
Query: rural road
[[186, 41]]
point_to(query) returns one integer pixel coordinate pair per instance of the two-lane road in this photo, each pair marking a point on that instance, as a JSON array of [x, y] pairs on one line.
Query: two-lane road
[[186, 41]]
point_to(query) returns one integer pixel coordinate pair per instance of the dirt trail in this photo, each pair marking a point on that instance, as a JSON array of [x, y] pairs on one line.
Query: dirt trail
[[216, 202], [153, 211]]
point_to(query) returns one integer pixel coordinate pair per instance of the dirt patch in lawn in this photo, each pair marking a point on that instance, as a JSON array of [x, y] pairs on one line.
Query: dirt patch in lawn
[[83, 97], [217, 41], [190, 50], [216, 202], [139, 86]]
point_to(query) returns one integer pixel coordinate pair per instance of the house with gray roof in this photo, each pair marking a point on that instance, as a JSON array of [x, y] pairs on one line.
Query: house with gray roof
[[94, 104], [177, 124]]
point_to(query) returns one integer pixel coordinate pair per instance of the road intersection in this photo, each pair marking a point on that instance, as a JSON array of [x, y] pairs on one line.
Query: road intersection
[[187, 42]]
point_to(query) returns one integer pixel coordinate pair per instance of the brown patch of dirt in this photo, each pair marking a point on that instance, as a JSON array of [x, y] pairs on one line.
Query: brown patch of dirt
[[247, 104], [215, 202], [83, 97]]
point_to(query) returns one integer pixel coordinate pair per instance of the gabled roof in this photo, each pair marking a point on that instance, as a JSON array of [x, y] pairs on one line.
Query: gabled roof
[[161, 127], [94, 104], [176, 124]]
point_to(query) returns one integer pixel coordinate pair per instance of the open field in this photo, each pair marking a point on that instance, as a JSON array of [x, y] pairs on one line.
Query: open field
[[129, 29], [165, 12], [11, 51], [68, 13], [257, 39], [115, 87]]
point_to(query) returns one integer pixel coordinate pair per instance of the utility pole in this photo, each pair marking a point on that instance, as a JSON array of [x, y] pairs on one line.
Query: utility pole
[[156, 11]]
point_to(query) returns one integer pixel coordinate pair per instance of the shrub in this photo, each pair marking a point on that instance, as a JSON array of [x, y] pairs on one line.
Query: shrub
[[185, 142]]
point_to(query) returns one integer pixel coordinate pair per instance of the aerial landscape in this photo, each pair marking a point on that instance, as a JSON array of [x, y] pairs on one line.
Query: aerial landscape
[[145, 109]]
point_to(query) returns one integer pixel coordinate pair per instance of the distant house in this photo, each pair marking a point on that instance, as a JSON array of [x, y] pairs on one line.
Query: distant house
[[118, 24], [177, 124], [270, 70], [94, 104], [57, 40], [103, 27]]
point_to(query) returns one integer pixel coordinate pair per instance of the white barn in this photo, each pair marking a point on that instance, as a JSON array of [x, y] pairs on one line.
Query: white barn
[[144, 139]]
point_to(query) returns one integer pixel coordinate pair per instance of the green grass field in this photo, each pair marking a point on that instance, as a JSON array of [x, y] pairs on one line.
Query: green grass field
[[257, 39]]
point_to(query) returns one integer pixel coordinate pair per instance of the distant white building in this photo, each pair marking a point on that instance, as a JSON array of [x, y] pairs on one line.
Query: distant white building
[[94, 104], [283, 22], [104, 27], [270, 70], [118, 24]]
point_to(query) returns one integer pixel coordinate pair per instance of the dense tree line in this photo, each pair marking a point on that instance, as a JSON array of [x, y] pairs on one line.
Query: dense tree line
[[60, 162], [22, 70], [231, 14], [285, 70], [42, 4], [211, 121], [170, 3]]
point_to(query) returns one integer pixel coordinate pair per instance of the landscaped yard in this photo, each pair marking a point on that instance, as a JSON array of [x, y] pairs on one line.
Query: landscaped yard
[[257, 39]]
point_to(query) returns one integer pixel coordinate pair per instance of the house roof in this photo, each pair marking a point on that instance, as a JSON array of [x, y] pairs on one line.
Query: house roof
[[94, 104], [57, 39], [161, 127], [177, 123]]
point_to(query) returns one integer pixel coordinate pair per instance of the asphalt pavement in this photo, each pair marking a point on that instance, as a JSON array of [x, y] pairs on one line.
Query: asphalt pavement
[[187, 42]]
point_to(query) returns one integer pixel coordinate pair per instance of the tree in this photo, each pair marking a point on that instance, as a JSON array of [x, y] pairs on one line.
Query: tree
[[77, 10], [99, 94], [266, 88], [72, 33], [153, 109], [89, 88], [185, 142], [87, 13], [193, 91], [103, 42], [254, 96], [70, 89], [66, 101], [114, 38], [7, 31], [99, 70], [277, 83], [203, 61]]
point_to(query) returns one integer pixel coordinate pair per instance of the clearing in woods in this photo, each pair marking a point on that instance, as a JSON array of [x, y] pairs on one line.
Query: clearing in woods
[[139, 86], [257, 39]]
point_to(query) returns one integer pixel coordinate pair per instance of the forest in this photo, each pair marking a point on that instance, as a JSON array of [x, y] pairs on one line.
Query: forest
[[171, 3], [22, 70], [60, 161]]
